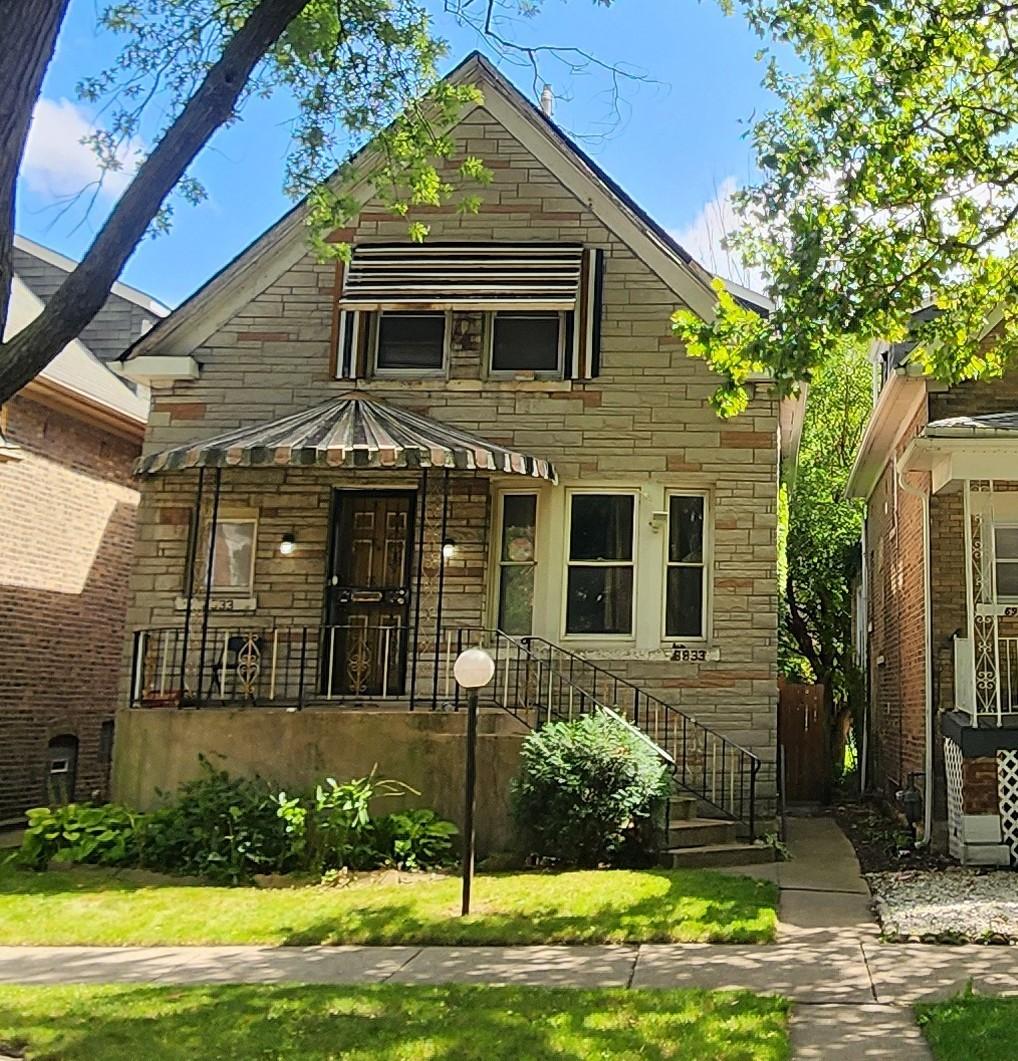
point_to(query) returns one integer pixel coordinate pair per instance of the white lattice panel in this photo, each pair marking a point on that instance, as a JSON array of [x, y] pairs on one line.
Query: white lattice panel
[[952, 768], [1007, 798]]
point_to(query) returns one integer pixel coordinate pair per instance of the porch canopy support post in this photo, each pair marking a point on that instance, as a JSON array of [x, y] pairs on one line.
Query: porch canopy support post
[[423, 494], [213, 525], [441, 587], [192, 548]]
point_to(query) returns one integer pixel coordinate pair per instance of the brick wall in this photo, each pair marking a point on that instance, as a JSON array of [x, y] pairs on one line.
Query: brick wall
[[643, 423], [894, 527], [67, 516]]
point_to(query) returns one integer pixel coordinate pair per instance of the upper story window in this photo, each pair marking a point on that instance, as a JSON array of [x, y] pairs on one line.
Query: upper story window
[[527, 341], [410, 342], [1005, 554], [542, 303], [601, 563]]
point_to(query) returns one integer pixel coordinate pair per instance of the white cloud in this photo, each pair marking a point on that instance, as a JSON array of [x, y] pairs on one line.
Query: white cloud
[[704, 238], [57, 164]]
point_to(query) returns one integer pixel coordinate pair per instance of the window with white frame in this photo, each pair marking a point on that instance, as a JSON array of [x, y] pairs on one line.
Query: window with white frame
[[409, 342], [600, 564], [1005, 556], [686, 567], [527, 341], [234, 555], [517, 563]]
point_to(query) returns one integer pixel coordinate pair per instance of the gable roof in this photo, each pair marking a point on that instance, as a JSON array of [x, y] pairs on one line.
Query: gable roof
[[75, 372], [68, 265], [282, 245]]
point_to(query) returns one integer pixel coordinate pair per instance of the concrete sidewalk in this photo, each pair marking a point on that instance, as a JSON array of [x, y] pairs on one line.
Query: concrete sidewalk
[[851, 994]]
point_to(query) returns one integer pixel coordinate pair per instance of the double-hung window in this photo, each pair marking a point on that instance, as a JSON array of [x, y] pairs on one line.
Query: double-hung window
[[685, 567], [527, 341], [410, 342], [517, 560], [601, 564], [1005, 556], [234, 555]]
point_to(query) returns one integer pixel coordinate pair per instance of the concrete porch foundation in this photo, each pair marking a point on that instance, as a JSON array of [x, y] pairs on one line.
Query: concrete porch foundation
[[158, 749]]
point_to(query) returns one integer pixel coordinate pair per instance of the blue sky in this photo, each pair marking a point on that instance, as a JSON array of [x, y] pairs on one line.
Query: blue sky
[[679, 149]]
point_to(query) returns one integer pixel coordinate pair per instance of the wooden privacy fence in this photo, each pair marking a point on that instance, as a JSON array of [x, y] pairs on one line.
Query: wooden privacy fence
[[803, 742]]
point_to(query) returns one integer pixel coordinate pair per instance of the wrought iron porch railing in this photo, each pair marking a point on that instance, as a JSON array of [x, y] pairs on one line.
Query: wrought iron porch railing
[[541, 682], [281, 665]]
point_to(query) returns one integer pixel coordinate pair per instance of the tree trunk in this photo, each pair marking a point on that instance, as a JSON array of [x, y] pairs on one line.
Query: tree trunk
[[83, 293], [28, 35]]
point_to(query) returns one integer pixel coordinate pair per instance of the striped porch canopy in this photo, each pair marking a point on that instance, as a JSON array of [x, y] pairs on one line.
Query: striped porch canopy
[[349, 432]]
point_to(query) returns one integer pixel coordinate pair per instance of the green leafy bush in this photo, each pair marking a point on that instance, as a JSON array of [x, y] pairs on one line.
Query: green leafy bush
[[219, 827], [587, 793], [415, 839], [332, 827], [79, 832], [226, 829]]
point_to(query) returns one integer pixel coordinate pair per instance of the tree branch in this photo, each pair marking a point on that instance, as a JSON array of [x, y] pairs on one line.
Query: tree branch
[[83, 293]]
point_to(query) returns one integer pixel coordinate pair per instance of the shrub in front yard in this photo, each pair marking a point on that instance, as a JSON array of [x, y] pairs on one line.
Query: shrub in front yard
[[588, 792], [227, 829], [80, 832]]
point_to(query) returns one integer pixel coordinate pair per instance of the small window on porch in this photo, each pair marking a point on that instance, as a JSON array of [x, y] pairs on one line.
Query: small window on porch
[[601, 575], [685, 579], [233, 559], [1005, 555], [517, 563]]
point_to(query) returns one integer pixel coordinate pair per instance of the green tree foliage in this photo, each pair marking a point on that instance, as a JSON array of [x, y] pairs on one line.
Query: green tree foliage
[[889, 181], [823, 537]]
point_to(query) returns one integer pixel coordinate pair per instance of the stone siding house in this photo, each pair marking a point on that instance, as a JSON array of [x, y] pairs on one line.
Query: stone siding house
[[68, 443], [938, 632], [354, 470]]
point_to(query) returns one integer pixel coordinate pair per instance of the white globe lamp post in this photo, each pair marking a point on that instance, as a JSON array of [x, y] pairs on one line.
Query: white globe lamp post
[[473, 669]]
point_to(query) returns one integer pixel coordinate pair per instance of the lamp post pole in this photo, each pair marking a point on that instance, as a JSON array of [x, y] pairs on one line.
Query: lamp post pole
[[468, 808], [473, 669]]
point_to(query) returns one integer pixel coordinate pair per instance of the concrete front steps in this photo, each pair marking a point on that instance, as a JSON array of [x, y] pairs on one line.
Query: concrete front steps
[[701, 843]]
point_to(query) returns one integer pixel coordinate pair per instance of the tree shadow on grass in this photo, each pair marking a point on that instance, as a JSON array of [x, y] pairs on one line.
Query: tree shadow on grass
[[390, 1022], [693, 908]]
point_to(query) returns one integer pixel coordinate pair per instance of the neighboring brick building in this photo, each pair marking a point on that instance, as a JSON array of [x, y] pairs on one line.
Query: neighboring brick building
[[67, 514], [628, 526], [941, 640]]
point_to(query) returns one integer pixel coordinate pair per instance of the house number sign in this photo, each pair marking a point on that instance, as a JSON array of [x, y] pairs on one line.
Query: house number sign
[[684, 654]]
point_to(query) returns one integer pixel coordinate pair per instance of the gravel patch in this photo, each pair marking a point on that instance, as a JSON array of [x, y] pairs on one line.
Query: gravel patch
[[947, 906]]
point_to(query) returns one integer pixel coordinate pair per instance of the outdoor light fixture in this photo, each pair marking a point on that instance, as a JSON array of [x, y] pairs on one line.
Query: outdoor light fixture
[[448, 549], [287, 545], [473, 669]]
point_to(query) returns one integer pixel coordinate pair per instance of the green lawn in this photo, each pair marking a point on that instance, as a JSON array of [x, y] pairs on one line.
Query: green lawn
[[971, 1028], [603, 906], [390, 1022]]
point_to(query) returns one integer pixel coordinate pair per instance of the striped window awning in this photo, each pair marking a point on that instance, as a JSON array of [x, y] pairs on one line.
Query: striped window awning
[[349, 432], [463, 275]]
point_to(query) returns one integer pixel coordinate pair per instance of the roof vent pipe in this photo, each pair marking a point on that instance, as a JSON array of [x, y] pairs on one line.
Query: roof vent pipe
[[547, 100]]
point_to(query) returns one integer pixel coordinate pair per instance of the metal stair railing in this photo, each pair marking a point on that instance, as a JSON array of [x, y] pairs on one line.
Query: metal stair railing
[[540, 682]]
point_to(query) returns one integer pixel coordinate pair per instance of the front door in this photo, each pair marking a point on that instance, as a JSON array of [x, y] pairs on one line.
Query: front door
[[365, 641]]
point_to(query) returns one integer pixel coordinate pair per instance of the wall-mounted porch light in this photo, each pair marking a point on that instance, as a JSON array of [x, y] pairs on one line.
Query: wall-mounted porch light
[[448, 549], [287, 544]]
